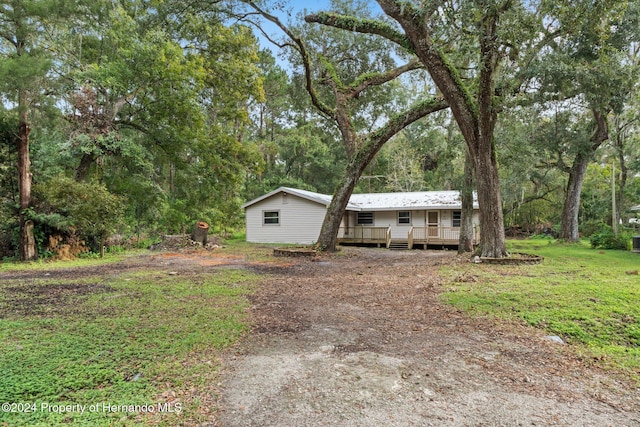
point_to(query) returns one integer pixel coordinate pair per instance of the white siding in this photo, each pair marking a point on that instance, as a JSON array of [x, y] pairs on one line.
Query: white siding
[[300, 220], [385, 219], [446, 218], [418, 219], [390, 218]]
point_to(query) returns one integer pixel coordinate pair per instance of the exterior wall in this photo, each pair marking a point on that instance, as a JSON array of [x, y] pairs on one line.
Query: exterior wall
[[300, 220], [418, 219], [446, 218], [390, 218]]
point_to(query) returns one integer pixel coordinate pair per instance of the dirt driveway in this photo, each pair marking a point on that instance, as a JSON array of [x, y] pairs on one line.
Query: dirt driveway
[[361, 339]]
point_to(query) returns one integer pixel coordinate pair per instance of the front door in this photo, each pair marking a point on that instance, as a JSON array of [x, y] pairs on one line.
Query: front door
[[433, 221]]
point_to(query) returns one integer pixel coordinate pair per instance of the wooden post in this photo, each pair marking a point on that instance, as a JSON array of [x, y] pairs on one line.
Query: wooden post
[[614, 219]]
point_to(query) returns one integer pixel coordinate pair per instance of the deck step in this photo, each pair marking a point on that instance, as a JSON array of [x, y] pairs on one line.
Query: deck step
[[398, 246]]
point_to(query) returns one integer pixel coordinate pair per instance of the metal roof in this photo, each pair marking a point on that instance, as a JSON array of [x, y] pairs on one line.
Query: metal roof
[[381, 201], [409, 201]]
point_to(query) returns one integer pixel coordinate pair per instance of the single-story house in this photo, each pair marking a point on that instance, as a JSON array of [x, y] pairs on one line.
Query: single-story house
[[290, 215]]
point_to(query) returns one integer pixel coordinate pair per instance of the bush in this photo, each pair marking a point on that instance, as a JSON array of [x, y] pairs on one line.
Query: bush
[[85, 209], [589, 228], [606, 239]]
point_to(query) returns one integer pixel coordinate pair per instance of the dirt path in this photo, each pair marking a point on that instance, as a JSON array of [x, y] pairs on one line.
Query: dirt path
[[360, 339]]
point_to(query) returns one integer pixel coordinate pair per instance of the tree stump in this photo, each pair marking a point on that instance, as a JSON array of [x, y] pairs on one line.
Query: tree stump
[[29, 244], [200, 232]]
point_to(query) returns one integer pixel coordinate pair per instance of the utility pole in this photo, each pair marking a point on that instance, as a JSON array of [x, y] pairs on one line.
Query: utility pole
[[614, 220]]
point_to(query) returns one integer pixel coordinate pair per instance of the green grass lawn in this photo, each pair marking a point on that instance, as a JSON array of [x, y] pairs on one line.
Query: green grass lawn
[[590, 298], [47, 264], [141, 338]]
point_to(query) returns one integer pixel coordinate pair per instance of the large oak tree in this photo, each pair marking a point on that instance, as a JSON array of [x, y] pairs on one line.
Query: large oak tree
[[587, 72], [342, 92], [472, 102], [497, 41]]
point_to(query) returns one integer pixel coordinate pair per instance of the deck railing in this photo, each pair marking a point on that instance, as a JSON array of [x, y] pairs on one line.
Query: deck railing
[[434, 233], [410, 239], [365, 234], [416, 235]]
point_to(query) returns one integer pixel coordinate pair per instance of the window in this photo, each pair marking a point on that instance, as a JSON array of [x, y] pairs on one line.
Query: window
[[271, 217], [457, 217], [404, 217], [365, 218]]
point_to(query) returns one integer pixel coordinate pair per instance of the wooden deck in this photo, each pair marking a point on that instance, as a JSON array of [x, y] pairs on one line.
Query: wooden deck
[[421, 236], [365, 235], [433, 236]]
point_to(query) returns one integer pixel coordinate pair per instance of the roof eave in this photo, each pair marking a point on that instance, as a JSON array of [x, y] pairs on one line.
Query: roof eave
[[288, 190]]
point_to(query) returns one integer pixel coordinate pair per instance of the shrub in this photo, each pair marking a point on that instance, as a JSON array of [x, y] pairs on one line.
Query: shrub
[[606, 239], [591, 227], [86, 209]]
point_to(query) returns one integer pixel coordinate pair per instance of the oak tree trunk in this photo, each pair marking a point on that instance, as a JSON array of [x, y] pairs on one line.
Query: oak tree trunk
[[82, 171], [624, 174], [569, 223], [328, 237], [466, 240], [492, 236], [327, 240]]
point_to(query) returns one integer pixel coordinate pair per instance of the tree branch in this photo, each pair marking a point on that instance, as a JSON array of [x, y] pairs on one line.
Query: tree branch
[[374, 141], [136, 126], [445, 75], [306, 59], [9, 38], [404, 119], [532, 198], [601, 134], [377, 79], [366, 26], [268, 37]]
